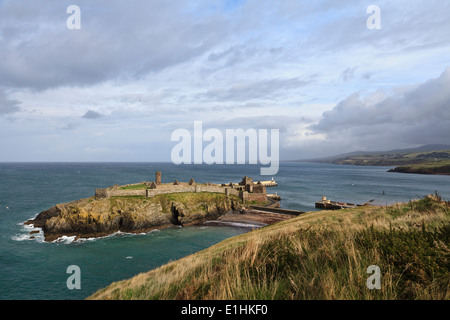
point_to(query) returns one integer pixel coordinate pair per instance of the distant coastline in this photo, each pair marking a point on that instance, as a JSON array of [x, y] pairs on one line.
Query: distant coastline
[[438, 168], [429, 159]]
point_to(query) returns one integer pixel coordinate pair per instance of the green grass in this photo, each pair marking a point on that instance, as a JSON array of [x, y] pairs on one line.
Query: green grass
[[129, 197], [318, 255], [257, 203], [192, 199], [432, 167], [188, 199], [134, 187], [431, 164]]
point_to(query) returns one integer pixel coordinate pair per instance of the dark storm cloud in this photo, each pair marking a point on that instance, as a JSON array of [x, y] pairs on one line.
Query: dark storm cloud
[[416, 116]]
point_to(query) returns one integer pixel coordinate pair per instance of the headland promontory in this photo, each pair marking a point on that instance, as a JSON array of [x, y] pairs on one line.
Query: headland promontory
[[145, 206]]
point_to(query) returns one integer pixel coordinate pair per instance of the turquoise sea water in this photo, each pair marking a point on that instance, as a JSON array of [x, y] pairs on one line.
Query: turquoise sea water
[[33, 269]]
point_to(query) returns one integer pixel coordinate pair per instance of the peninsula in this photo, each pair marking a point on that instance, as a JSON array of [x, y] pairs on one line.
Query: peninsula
[[145, 206]]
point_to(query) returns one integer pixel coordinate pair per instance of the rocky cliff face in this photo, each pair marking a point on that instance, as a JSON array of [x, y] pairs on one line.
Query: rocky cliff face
[[100, 217]]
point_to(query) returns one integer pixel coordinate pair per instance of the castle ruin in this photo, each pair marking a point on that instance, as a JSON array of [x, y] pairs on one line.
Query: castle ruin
[[246, 190]]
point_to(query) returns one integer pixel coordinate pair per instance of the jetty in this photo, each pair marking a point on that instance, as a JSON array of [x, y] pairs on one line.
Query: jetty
[[274, 196]]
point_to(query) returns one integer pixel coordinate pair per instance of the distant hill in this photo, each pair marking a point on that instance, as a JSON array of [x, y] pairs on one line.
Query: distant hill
[[347, 156], [427, 159]]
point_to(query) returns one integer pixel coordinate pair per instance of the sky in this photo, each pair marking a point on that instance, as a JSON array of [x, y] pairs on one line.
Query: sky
[[116, 88]]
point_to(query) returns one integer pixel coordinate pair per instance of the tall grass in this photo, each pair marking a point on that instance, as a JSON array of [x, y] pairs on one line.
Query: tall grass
[[319, 255]]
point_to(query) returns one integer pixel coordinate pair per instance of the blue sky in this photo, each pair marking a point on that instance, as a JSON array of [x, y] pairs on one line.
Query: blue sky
[[117, 88]]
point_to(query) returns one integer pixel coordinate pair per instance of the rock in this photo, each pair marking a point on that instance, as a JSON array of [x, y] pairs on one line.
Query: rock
[[91, 217]]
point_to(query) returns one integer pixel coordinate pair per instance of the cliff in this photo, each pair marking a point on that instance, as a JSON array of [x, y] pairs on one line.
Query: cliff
[[439, 167], [92, 217]]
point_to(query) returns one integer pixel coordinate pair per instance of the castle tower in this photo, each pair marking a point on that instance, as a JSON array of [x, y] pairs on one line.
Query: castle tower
[[158, 177]]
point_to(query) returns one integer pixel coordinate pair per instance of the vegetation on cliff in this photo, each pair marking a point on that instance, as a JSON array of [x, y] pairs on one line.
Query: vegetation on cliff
[[99, 217], [435, 167], [318, 255]]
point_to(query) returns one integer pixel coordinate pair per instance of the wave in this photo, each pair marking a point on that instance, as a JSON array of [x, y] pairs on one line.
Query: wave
[[23, 237], [65, 239], [74, 239], [29, 233], [38, 235]]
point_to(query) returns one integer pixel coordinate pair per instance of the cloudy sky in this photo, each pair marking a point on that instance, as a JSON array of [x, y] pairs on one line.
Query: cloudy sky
[[117, 88]]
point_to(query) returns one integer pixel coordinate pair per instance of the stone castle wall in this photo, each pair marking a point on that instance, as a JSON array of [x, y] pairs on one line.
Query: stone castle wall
[[115, 192], [245, 196], [246, 190], [191, 188]]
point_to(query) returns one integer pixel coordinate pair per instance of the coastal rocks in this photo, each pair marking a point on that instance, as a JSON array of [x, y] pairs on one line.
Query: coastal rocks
[[177, 210], [206, 210], [91, 217]]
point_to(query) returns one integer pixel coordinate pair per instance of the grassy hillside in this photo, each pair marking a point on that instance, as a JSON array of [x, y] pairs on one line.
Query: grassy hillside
[[319, 255], [393, 158]]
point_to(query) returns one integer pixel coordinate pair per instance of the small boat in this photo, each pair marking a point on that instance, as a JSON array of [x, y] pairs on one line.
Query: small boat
[[335, 205]]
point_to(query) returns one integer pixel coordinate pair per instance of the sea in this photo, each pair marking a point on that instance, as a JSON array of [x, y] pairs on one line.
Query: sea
[[32, 269]]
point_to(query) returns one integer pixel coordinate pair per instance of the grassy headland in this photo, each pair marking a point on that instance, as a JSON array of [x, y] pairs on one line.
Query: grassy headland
[[435, 167], [318, 255], [430, 162]]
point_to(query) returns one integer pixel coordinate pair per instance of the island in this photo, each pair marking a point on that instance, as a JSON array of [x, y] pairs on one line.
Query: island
[[145, 206]]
